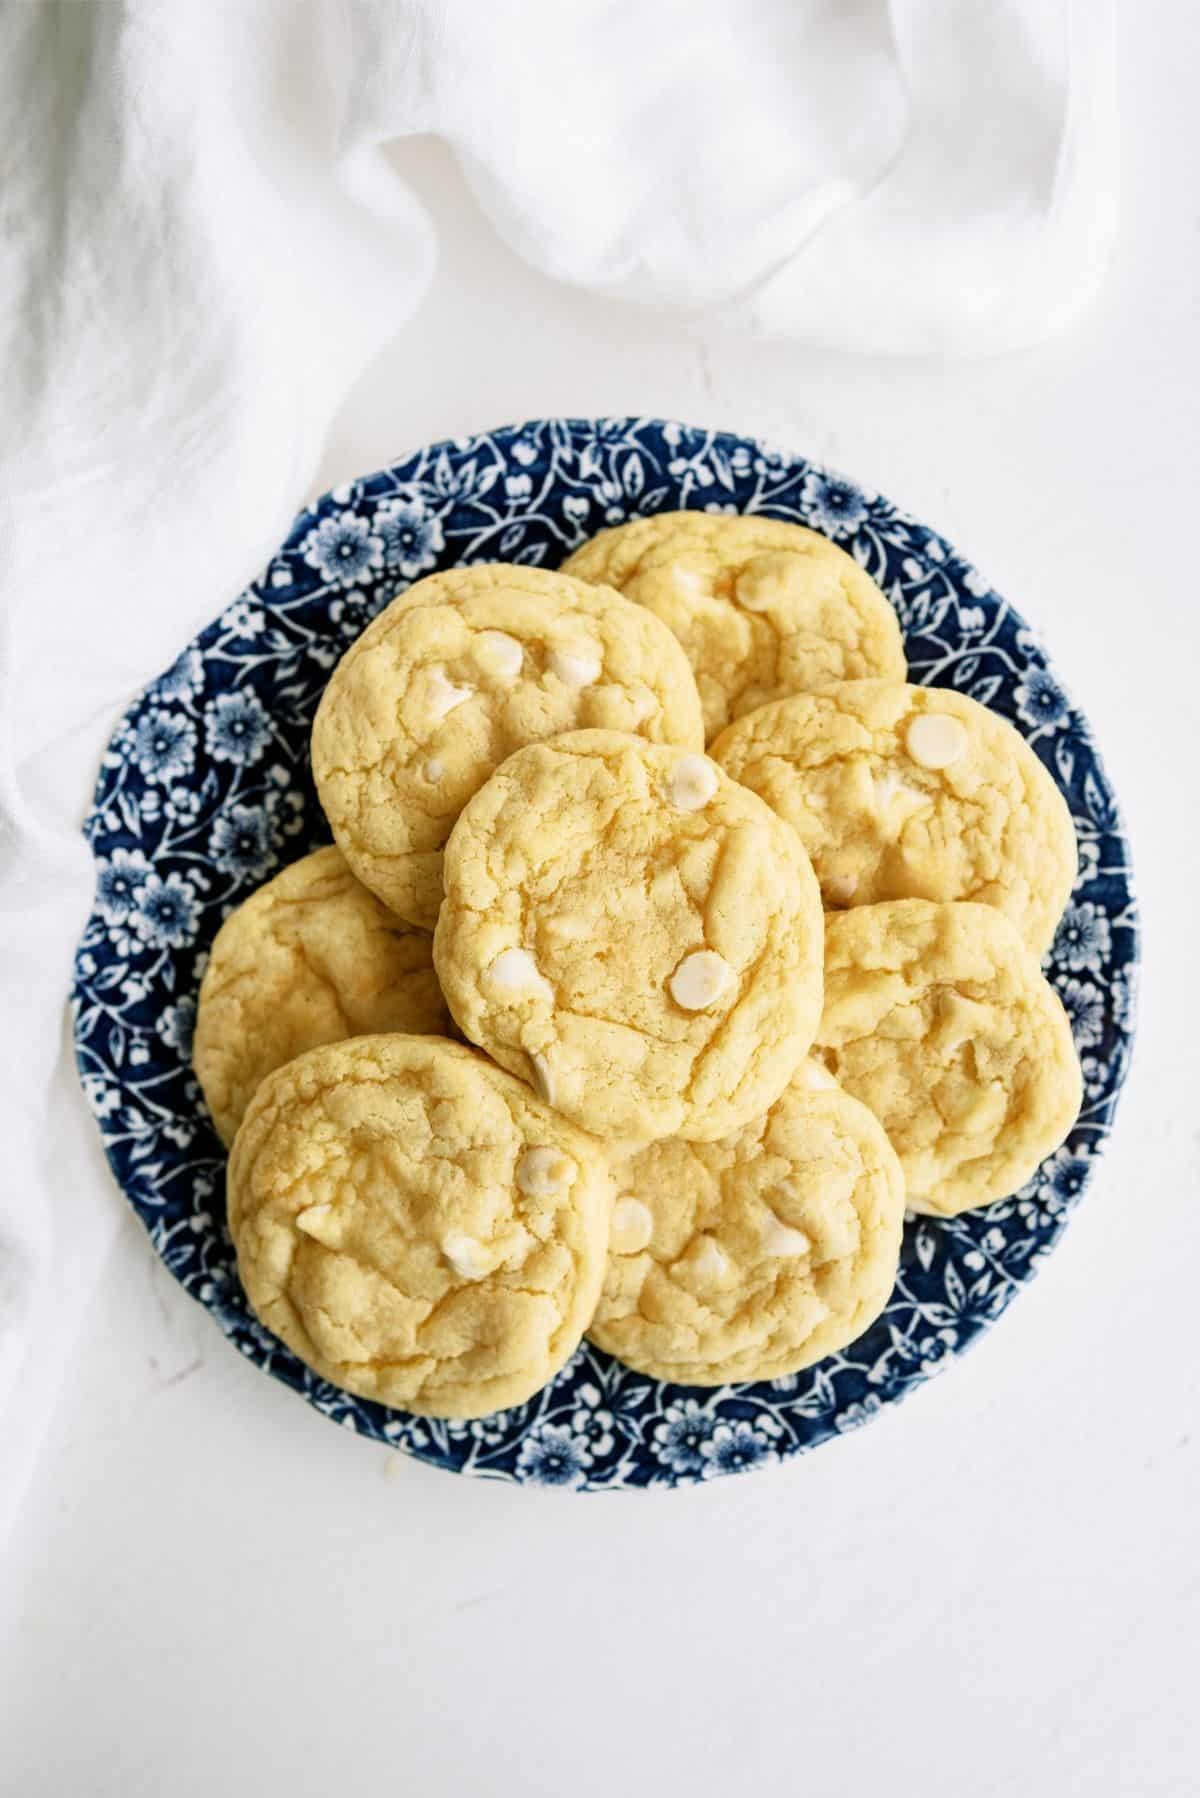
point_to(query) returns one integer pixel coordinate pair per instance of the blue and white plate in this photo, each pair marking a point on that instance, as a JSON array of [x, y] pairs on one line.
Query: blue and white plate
[[205, 790]]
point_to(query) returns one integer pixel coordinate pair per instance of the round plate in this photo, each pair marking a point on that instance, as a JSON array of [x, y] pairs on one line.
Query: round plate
[[205, 790]]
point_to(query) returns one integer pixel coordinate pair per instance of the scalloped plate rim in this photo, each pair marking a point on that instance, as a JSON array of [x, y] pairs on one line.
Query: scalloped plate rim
[[598, 1427]]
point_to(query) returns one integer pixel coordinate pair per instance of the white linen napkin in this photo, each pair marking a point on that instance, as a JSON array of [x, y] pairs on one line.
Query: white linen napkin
[[205, 243]]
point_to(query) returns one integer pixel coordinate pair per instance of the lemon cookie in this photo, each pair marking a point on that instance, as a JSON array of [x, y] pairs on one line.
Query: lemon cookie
[[457, 673], [312, 957], [755, 1256], [633, 932], [902, 792], [937, 1017], [416, 1226], [763, 608]]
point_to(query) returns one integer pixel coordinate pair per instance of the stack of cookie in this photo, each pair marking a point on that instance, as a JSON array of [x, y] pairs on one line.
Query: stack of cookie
[[730, 1011]]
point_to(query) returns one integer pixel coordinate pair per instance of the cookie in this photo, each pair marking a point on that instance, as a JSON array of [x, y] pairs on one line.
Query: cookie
[[902, 792], [938, 1019], [633, 932], [416, 1226], [752, 1257], [457, 673], [763, 608], [312, 957]]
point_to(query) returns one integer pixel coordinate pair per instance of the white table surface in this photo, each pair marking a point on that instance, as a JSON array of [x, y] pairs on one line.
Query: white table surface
[[992, 1590]]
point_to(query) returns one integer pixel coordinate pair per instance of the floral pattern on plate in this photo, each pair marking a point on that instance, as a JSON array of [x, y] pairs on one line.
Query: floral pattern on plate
[[205, 790]]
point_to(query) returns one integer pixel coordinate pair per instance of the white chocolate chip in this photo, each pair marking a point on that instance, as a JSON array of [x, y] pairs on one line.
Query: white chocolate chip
[[769, 579], [443, 694], [888, 787], [643, 704], [839, 1231], [707, 1258], [544, 1173], [319, 1222], [498, 654], [753, 594], [469, 1258], [632, 1226], [574, 670], [935, 741], [689, 583], [700, 980], [433, 770], [543, 1079], [957, 1020], [515, 971], [691, 783], [817, 1078], [841, 888], [782, 1240]]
